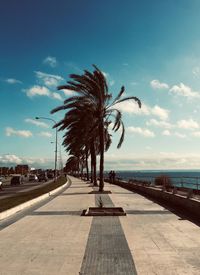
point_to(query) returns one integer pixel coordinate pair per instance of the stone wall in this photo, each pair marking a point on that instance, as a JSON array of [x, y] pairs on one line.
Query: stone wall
[[189, 205]]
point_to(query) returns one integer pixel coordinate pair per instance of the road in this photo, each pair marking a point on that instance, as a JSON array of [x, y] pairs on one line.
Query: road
[[11, 190]]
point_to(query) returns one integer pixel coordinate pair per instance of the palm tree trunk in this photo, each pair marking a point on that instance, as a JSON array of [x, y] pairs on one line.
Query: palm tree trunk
[[91, 176], [101, 168], [81, 172], [86, 162], [95, 169], [91, 157], [93, 160], [78, 167]]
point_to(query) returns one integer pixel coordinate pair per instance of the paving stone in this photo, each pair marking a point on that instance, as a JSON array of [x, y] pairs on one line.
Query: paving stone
[[107, 251]]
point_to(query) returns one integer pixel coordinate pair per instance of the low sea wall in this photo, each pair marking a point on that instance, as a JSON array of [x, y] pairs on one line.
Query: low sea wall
[[190, 205]]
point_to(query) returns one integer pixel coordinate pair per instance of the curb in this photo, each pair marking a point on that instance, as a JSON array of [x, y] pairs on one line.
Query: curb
[[14, 210]]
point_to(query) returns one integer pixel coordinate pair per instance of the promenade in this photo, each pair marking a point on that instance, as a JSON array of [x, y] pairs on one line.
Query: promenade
[[53, 239]]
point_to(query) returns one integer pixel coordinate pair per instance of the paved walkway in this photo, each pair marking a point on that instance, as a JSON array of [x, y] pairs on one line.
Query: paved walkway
[[54, 239]]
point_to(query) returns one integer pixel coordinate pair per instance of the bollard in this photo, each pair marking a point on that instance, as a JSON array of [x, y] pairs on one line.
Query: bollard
[[163, 188], [189, 194], [174, 190]]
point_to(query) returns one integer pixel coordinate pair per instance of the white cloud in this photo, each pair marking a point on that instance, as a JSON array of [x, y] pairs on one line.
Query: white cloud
[[51, 61], [10, 159], [187, 124], [140, 131], [166, 133], [37, 123], [160, 112], [131, 107], [156, 84], [50, 80], [196, 72], [177, 134], [45, 134], [183, 90], [196, 134], [37, 90], [56, 96], [13, 81], [164, 160], [68, 92], [21, 133], [159, 123], [170, 155]]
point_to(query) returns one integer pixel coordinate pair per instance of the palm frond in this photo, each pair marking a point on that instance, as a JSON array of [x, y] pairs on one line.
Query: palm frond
[[117, 120], [122, 136], [129, 98], [57, 109], [119, 95], [68, 87]]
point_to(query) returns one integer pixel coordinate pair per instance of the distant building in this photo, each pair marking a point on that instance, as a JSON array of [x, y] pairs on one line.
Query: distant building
[[4, 170], [22, 169]]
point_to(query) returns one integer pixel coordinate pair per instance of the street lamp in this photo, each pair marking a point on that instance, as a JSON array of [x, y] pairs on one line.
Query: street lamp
[[56, 142], [60, 157]]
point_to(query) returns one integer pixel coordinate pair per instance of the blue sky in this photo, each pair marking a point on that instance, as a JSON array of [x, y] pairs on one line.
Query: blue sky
[[150, 47]]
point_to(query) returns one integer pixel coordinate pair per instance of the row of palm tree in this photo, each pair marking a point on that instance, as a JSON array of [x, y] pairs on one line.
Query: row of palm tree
[[90, 113]]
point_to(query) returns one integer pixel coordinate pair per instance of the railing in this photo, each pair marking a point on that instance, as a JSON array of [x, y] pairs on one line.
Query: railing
[[181, 186], [184, 181]]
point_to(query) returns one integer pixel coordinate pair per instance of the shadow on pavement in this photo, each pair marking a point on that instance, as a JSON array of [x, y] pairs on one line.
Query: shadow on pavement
[[147, 212], [72, 194], [56, 213]]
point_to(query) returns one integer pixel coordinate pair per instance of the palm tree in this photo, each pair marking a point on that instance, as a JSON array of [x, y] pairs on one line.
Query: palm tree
[[77, 123], [72, 164], [93, 95], [78, 136]]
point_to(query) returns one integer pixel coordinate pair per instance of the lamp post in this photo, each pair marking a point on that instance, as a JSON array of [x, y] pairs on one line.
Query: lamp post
[[56, 142], [60, 157]]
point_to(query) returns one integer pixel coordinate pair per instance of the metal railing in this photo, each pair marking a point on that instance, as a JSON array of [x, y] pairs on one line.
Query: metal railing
[[183, 181]]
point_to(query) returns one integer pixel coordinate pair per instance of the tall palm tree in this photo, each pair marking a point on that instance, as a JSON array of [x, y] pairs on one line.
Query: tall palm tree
[[77, 123], [93, 94], [72, 164], [79, 135]]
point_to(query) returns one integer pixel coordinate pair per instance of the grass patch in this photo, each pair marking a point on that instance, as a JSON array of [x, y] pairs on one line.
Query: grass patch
[[20, 198]]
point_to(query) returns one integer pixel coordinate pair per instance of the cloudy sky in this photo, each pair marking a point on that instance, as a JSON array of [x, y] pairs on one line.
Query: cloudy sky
[[150, 47]]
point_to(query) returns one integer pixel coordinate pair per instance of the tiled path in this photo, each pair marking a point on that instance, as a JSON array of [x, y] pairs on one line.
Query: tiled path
[[107, 251], [55, 239]]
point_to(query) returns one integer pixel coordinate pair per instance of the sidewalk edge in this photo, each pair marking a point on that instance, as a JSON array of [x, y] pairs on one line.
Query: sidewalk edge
[[14, 210]]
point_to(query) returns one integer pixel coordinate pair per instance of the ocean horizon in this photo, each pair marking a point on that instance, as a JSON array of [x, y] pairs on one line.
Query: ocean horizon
[[189, 178]]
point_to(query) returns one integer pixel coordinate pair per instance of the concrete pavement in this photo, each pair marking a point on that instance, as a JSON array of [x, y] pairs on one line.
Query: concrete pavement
[[55, 239], [160, 242]]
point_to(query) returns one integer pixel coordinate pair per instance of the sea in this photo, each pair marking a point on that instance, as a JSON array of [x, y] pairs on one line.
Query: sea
[[179, 178]]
